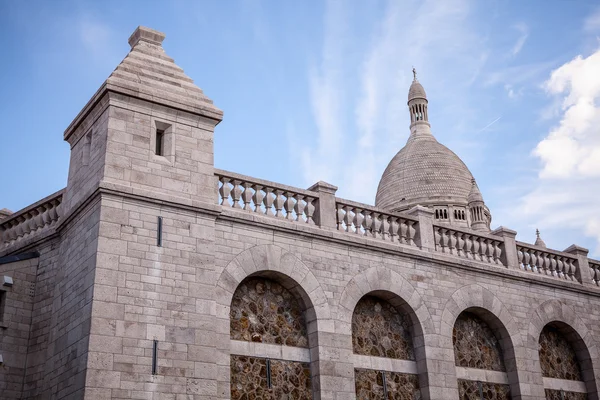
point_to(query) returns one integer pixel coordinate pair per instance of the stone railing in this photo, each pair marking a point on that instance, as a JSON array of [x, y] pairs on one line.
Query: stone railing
[[363, 220], [31, 220], [468, 244], [547, 262], [319, 206], [266, 198], [595, 271]]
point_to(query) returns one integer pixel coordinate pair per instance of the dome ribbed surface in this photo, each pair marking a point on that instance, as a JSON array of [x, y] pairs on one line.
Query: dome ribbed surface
[[416, 91], [423, 172]]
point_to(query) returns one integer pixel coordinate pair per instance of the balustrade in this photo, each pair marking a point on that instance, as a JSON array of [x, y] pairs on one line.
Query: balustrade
[[31, 220], [266, 198], [468, 245], [546, 262], [595, 271], [372, 222]]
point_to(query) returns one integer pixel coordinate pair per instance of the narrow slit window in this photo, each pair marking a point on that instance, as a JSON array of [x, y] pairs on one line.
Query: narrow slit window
[[2, 304], [160, 139], [154, 357]]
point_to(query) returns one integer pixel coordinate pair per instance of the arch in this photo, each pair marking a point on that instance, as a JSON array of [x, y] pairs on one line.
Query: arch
[[485, 305], [390, 286], [565, 318], [271, 261]]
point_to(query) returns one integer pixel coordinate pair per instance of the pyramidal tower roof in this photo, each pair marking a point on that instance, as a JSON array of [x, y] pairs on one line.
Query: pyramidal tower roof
[[148, 73]]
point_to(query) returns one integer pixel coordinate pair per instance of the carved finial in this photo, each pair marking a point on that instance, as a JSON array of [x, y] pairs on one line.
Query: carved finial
[[414, 74], [539, 241]]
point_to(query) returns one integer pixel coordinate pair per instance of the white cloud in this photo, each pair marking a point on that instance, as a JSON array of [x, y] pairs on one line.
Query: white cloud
[[571, 149], [96, 37], [566, 194], [523, 30]]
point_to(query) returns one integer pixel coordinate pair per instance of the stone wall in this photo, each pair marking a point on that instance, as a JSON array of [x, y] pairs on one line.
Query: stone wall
[[16, 304]]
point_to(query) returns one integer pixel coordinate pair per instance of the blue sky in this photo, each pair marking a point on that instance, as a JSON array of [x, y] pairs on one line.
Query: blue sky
[[316, 90]]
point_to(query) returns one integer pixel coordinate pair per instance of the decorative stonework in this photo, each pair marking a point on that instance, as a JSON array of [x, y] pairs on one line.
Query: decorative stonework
[[264, 311], [556, 395], [557, 357], [475, 345], [469, 390], [370, 385], [289, 379], [378, 329]]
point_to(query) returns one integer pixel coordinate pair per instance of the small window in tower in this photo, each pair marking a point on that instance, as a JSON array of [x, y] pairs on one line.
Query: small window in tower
[[437, 214], [445, 214], [160, 142]]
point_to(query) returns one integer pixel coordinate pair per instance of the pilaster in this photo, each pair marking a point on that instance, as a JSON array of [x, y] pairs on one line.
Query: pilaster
[[509, 251], [425, 229], [583, 273], [325, 210]]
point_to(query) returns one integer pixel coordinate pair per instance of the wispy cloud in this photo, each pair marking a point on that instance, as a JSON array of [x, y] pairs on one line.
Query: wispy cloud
[[326, 95], [523, 30], [353, 153], [489, 125], [96, 37], [591, 24], [567, 192]]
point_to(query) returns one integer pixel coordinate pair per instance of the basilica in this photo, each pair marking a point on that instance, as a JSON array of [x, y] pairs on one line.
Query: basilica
[[155, 275]]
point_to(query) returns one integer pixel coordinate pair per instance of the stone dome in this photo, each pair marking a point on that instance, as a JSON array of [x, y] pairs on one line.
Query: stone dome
[[416, 91], [424, 172]]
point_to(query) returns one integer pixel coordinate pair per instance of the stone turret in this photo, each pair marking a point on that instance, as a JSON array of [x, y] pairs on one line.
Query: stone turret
[[479, 214], [538, 240]]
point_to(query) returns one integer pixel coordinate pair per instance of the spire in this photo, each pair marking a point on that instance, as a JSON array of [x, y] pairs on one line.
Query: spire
[[539, 241], [475, 193], [417, 107]]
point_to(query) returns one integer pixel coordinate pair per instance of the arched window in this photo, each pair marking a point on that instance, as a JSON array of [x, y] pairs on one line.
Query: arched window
[[563, 378], [267, 314], [478, 352], [381, 330]]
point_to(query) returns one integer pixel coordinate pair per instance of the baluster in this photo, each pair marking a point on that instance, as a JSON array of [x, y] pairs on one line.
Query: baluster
[[469, 246], [236, 194], [357, 221], [437, 238], [520, 256], [412, 231], [247, 196], [451, 242], [534, 259], [394, 229], [490, 250], [552, 264], [560, 267], [597, 274], [444, 240], [289, 205], [498, 253], [309, 210], [339, 215], [572, 269], [376, 225], [545, 264], [299, 208], [257, 198], [224, 191], [385, 227], [483, 248], [404, 224], [460, 244], [527, 260], [268, 201], [348, 216], [278, 203], [367, 222], [476, 247], [20, 228]]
